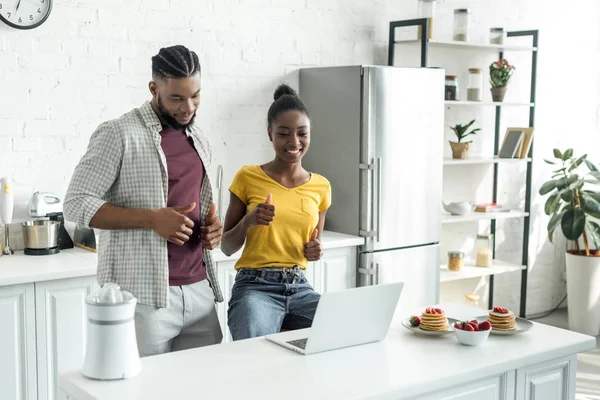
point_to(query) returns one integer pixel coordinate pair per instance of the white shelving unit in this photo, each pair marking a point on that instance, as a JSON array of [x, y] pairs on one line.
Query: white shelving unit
[[470, 45], [481, 216], [426, 45], [469, 271], [487, 103], [485, 160]]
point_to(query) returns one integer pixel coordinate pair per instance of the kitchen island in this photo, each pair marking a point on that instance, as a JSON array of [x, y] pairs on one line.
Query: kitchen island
[[537, 365], [43, 314]]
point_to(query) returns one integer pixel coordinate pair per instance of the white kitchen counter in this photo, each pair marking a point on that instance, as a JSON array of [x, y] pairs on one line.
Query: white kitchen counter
[[20, 268], [403, 366]]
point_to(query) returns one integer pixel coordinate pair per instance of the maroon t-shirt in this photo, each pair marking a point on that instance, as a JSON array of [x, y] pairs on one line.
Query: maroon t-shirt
[[186, 172]]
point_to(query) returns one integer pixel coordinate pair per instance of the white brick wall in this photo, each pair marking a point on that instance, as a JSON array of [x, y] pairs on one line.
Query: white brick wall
[[90, 62]]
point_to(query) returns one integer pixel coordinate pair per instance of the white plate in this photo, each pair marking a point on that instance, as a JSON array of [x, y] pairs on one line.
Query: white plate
[[523, 325], [417, 330]]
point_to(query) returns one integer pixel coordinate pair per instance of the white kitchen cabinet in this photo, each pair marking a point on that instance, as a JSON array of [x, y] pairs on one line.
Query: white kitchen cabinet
[[554, 380], [60, 330], [336, 270], [17, 342], [500, 387]]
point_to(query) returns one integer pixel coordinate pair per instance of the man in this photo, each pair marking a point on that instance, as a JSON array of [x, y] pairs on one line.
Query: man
[[144, 183]]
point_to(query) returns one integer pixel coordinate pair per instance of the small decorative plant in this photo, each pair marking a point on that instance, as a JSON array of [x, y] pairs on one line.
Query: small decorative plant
[[570, 205], [460, 149], [500, 73], [461, 131]]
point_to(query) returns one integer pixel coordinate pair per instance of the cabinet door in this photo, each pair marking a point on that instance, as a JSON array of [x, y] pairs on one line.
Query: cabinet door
[[226, 272], [17, 343], [337, 270], [554, 380], [61, 330], [501, 387]]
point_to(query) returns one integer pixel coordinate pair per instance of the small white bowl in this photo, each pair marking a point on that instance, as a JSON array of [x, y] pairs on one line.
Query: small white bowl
[[474, 338]]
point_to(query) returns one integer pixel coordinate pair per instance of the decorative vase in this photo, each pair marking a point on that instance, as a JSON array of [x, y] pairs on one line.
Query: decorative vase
[[460, 150], [498, 93], [583, 292]]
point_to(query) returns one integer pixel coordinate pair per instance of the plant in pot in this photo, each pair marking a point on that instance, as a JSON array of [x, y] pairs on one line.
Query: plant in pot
[[573, 204], [500, 73], [460, 149]]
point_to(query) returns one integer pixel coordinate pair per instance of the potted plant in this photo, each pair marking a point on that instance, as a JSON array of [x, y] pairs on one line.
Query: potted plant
[[573, 206], [500, 73], [460, 149]]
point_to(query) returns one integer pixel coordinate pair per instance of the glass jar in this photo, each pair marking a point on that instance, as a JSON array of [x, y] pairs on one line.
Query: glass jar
[[475, 87], [456, 260], [461, 24], [427, 10], [472, 299], [451, 85], [485, 250], [497, 35]]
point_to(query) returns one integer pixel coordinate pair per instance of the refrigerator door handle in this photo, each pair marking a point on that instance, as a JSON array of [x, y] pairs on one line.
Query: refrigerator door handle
[[376, 274], [378, 196]]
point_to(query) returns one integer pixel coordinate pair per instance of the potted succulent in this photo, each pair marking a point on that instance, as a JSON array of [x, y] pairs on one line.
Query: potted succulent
[[500, 73], [460, 149], [573, 204]]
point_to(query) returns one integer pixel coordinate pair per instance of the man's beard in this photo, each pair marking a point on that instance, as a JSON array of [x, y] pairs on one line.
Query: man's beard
[[170, 120]]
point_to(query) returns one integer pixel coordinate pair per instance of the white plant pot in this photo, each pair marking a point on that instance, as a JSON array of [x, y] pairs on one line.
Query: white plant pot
[[583, 294]]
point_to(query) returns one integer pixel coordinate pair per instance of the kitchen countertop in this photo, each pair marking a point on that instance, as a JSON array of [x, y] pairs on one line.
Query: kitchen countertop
[[20, 268], [401, 366]]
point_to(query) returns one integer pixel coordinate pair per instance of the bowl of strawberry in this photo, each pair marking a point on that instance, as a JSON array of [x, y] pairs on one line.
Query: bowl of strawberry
[[472, 333]]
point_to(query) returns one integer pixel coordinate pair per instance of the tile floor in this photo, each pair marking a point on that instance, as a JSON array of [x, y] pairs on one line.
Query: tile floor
[[588, 366]]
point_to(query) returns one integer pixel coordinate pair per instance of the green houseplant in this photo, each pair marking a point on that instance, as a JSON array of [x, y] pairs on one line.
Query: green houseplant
[[460, 149], [573, 204], [500, 73]]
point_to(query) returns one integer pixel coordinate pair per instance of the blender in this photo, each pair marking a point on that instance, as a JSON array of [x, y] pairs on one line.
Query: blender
[[7, 204]]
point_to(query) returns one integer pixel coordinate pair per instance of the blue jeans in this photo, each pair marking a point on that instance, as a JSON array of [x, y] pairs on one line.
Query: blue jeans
[[267, 299]]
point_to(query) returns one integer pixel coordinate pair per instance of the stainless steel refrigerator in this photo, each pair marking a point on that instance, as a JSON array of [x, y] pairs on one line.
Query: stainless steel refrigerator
[[377, 134]]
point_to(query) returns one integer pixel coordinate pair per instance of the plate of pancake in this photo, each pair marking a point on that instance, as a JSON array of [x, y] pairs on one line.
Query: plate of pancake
[[432, 322], [504, 322]]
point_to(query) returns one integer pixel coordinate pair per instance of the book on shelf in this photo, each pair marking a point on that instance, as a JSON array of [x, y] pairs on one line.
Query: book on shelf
[[490, 207], [516, 143]]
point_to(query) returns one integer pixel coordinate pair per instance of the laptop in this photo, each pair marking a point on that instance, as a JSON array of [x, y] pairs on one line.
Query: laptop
[[345, 318]]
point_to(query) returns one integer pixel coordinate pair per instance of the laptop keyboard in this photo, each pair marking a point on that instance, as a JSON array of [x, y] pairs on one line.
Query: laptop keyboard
[[301, 343]]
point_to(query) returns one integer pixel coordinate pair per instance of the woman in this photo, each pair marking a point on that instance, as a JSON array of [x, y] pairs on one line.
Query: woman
[[278, 209]]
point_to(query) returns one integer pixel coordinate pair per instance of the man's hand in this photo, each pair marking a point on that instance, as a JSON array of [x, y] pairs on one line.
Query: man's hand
[[211, 232], [263, 214], [312, 249], [171, 223]]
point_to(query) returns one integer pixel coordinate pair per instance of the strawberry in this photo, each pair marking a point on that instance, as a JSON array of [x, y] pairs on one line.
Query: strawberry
[[500, 310], [439, 311], [458, 325], [469, 328], [474, 326], [474, 321], [484, 326], [428, 310], [415, 321]]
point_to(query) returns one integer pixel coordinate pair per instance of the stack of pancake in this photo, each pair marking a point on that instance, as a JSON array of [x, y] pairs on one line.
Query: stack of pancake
[[502, 319], [433, 319]]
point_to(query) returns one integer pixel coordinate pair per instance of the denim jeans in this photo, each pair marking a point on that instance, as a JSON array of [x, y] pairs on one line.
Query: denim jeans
[[266, 299]]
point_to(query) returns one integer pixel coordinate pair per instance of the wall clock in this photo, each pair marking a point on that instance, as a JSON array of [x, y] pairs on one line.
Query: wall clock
[[25, 14]]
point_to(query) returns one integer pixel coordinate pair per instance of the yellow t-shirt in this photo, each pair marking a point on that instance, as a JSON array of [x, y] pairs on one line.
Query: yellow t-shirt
[[281, 244]]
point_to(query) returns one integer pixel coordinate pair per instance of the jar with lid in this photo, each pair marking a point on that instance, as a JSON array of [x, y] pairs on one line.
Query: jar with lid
[[485, 250], [497, 35], [455, 260], [472, 299], [475, 88], [461, 24], [427, 10], [451, 88]]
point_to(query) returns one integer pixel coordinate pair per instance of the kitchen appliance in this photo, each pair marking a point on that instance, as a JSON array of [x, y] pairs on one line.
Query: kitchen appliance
[[111, 347], [377, 135], [7, 206], [46, 234]]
